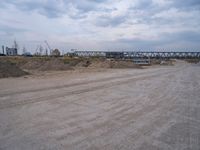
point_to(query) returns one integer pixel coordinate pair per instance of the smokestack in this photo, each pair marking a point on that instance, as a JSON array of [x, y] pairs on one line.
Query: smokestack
[[3, 49]]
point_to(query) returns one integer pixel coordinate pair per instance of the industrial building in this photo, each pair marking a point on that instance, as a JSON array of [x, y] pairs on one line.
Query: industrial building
[[11, 51]]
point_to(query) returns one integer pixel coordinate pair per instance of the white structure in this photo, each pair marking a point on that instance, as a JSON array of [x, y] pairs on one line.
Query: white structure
[[11, 51]]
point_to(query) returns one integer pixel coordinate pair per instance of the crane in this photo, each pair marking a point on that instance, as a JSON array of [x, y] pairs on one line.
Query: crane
[[48, 46]]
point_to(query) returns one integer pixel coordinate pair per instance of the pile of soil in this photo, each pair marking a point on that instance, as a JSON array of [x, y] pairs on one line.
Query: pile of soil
[[194, 61], [70, 64], [162, 62], [46, 64], [8, 69], [118, 64], [167, 63], [15, 66]]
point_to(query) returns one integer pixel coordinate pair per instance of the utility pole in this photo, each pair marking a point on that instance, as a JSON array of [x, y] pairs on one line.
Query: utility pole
[[46, 52], [41, 50], [36, 50], [50, 50]]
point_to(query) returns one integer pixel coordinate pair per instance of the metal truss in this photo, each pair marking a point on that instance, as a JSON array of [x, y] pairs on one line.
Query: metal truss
[[138, 54]]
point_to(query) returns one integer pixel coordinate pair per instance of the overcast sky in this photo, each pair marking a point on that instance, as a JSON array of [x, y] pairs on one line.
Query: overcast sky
[[101, 24]]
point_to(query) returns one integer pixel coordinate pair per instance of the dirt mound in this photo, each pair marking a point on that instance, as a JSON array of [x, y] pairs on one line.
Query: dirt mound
[[46, 64], [193, 61], [14, 66], [8, 69], [113, 64]]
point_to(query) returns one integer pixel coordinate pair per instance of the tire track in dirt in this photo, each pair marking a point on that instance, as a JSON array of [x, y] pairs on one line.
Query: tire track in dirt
[[144, 111], [85, 90], [75, 84]]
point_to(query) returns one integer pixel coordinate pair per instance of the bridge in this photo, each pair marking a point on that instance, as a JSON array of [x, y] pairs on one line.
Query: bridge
[[138, 54]]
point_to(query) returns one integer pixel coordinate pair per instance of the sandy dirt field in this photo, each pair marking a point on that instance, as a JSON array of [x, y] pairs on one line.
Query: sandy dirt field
[[130, 109]]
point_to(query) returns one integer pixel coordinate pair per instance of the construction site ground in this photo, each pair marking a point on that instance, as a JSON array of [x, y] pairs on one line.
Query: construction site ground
[[157, 108]]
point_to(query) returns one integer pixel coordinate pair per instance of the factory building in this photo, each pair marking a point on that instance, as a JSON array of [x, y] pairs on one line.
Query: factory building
[[11, 51]]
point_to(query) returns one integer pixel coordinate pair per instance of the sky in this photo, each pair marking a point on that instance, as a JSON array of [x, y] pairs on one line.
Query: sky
[[159, 25]]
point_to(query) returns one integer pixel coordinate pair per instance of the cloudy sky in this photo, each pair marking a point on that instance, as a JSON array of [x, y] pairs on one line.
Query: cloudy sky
[[101, 24]]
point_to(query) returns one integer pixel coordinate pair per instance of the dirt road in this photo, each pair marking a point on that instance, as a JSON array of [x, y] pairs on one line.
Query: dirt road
[[144, 109]]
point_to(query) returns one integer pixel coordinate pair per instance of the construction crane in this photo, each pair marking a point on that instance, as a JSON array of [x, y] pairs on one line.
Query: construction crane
[[50, 50]]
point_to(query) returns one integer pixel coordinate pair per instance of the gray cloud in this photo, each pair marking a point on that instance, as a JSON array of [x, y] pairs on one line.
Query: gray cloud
[[54, 8], [182, 40], [144, 4], [106, 21], [9, 29], [175, 22], [186, 4]]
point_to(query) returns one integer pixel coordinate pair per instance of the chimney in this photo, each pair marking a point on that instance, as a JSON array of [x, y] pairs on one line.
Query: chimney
[[3, 49]]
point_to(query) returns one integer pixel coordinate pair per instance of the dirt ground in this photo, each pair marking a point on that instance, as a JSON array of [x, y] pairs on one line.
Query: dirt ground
[[131, 109]]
